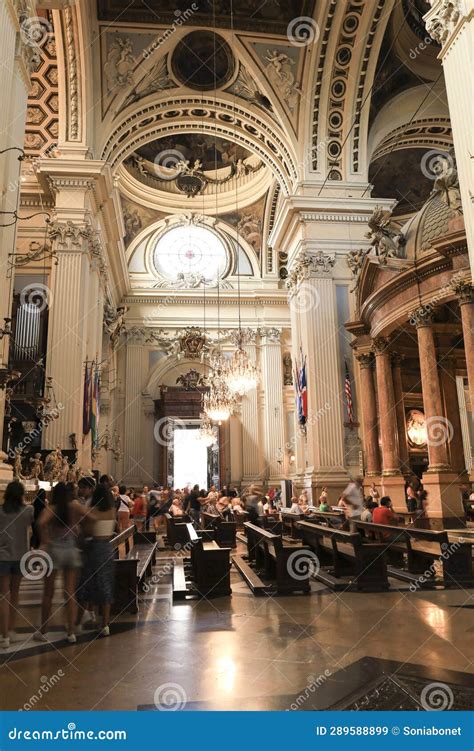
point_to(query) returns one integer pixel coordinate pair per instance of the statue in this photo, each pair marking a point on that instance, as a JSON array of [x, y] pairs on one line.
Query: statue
[[17, 465], [114, 322], [385, 236], [52, 465], [355, 260], [446, 182], [64, 469], [36, 467]]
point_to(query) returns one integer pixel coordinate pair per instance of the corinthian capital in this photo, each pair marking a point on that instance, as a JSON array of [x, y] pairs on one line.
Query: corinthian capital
[[69, 233], [442, 19]]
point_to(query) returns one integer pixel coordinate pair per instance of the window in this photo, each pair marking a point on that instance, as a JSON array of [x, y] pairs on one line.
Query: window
[[190, 253]]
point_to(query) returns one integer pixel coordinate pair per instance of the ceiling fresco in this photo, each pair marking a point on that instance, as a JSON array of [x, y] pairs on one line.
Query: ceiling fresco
[[210, 151]]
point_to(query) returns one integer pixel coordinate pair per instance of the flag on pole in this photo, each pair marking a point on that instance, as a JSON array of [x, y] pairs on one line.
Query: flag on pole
[[95, 407], [301, 391], [86, 407], [348, 393]]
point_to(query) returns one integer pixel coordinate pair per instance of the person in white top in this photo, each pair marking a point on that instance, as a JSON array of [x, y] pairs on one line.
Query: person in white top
[[295, 506], [353, 497], [125, 504]]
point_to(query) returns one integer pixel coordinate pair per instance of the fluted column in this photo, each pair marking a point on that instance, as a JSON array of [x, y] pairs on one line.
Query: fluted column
[[134, 417], [451, 24], [465, 293], [70, 339], [272, 375], [369, 414], [387, 411], [436, 425], [313, 294], [400, 411], [447, 372], [251, 446]]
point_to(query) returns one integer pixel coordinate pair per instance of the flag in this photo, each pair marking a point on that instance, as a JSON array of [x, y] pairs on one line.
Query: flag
[[86, 407], [301, 391], [348, 393], [95, 407]]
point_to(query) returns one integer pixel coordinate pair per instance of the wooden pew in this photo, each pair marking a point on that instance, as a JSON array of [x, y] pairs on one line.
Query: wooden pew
[[348, 554], [271, 522], [289, 520], [224, 531], [210, 566], [176, 534], [422, 548], [333, 519], [275, 559], [135, 556]]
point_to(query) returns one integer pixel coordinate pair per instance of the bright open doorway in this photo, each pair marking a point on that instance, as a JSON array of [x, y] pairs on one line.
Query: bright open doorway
[[190, 459]]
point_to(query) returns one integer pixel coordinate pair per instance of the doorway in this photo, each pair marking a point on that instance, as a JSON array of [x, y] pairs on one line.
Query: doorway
[[190, 458]]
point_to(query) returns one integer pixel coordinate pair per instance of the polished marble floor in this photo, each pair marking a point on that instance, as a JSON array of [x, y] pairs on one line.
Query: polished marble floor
[[243, 652]]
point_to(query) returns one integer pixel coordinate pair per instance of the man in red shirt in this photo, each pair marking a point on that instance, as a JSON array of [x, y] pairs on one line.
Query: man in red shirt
[[383, 514]]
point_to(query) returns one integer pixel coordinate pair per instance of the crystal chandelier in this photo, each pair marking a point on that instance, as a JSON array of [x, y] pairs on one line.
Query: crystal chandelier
[[218, 404], [241, 373], [207, 432]]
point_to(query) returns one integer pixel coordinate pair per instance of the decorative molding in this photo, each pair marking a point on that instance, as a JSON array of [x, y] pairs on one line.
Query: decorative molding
[[271, 335], [380, 345], [465, 292], [442, 19], [365, 359], [325, 36], [73, 106], [313, 216], [318, 264]]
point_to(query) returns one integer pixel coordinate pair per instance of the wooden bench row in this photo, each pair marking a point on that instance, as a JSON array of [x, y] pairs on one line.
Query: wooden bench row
[[209, 572], [135, 554]]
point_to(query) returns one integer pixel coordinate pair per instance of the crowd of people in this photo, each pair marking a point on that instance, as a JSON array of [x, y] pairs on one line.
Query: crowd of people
[[75, 526]]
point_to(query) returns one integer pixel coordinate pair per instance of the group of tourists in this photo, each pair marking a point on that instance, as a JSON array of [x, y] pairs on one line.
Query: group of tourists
[[73, 531]]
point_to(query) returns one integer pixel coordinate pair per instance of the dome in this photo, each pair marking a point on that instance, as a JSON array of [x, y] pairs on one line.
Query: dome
[[433, 220]]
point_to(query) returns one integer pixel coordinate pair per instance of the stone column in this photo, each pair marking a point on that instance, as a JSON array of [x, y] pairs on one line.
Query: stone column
[[369, 415], [436, 424], [400, 410], [134, 417], [70, 332], [393, 483], [451, 24], [444, 501], [149, 471], [251, 446], [447, 372], [465, 294], [313, 295], [272, 377]]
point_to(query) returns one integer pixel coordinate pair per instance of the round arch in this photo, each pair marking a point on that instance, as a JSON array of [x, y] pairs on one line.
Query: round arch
[[168, 369]]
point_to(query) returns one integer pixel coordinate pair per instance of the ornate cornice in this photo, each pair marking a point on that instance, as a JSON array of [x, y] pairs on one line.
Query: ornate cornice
[[271, 335], [464, 292], [318, 216], [318, 264], [443, 18]]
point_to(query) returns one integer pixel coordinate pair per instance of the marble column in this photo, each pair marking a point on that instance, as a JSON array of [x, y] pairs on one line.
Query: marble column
[[451, 24], [393, 482], [313, 295], [70, 331], [250, 422], [369, 415], [272, 377], [134, 417], [438, 429], [465, 293], [444, 507], [447, 372], [397, 360]]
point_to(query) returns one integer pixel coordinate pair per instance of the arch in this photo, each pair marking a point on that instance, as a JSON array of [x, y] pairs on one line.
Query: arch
[[171, 365], [221, 117]]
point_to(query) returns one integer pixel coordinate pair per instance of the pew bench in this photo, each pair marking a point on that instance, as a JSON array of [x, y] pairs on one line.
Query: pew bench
[[289, 523], [422, 548], [209, 572], [224, 531], [347, 554], [277, 562], [135, 557], [176, 534]]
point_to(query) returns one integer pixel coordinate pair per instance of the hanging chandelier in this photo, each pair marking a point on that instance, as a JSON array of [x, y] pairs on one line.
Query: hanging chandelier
[[207, 432], [219, 402], [241, 373]]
